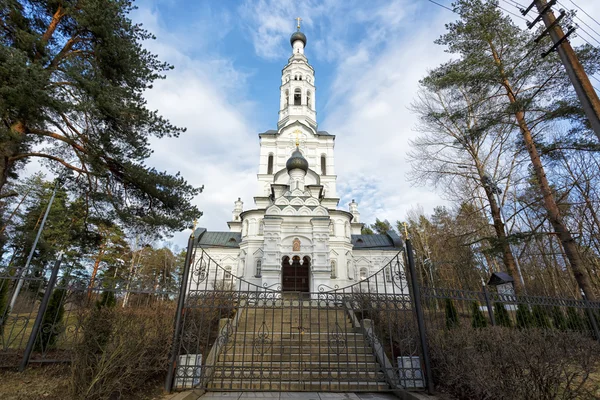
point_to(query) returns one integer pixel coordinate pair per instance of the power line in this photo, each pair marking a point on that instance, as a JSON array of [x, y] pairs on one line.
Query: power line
[[593, 19], [441, 5], [510, 12], [590, 35], [581, 20]]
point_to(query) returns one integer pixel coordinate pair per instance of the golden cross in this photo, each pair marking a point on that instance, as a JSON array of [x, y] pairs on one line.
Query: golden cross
[[298, 19], [297, 132]]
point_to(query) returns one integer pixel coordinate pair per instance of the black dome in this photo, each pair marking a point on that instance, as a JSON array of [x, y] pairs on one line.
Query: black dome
[[297, 160], [298, 36]]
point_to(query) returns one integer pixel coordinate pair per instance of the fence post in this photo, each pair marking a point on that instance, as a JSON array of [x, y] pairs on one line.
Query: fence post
[[179, 315], [488, 303], [40, 315], [591, 316], [416, 294]]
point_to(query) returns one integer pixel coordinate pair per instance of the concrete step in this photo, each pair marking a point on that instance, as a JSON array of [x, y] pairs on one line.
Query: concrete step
[[324, 385], [279, 348], [260, 365], [325, 357], [292, 375]]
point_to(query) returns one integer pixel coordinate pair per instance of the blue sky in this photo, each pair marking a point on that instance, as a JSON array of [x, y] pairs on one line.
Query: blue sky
[[228, 55]]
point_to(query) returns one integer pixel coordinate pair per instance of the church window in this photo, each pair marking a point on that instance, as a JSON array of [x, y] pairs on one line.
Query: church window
[[388, 274], [270, 164], [333, 269], [323, 165], [363, 273], [300, 77], [227, 274], [297, 97], [309, 99], [258, 269], [261, 227], [287, 98]]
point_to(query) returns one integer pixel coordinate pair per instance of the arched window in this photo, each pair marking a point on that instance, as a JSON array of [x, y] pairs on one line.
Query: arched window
[[363, 273], [333, 269], [258, 269], [308, 99], [300, 77], [388, 274], [323, 164], [261, 227], [227, 274], [270, 164], [297, 97]]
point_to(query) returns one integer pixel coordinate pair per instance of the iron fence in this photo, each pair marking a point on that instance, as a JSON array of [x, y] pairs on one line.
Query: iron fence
[[236, 335], [42, 311]]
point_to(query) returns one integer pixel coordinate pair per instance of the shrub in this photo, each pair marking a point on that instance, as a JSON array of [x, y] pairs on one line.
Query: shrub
[[52, 322], [121, 350], [524, 317], [501, 315], [501, 363], [451, 314], [478, 320], [558, 318]]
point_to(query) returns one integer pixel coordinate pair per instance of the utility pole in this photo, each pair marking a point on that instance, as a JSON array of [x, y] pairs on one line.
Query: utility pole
[[579, 79]]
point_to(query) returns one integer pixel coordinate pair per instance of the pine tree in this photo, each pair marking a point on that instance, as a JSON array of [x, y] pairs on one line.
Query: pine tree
[[493, 56], [478, 319], [501, 315], [72, 82], [452, 320], [107, 299]]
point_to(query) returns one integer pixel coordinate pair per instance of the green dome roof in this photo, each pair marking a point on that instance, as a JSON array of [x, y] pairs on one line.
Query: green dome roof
[[297, 160], [298, 36]]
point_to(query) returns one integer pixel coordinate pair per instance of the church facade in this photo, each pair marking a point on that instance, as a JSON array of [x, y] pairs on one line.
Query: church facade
[[295, 238]]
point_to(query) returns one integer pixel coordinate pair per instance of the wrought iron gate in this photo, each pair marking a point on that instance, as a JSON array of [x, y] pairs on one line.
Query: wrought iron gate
[[234, 335]]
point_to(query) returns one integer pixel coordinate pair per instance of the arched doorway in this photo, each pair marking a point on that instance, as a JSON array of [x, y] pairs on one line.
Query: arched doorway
[[295, 273]]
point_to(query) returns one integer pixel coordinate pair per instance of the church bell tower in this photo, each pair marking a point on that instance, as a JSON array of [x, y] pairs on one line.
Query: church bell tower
[[297, 98]]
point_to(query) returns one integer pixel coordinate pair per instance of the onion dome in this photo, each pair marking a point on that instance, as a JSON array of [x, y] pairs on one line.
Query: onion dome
[[298, 36], [297, 161]]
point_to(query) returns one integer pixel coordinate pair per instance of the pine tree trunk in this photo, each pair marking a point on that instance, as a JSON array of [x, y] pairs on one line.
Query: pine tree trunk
[[554, 214], [9, 148], [507, 255], [95, 271]]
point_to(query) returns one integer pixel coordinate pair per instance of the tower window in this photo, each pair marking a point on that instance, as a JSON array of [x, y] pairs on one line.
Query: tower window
[[333, 270], [323, 165], [287, 98], [297, 97], [270, 164]]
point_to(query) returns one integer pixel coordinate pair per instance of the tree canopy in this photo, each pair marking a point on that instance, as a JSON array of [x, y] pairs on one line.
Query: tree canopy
[[72, 79]]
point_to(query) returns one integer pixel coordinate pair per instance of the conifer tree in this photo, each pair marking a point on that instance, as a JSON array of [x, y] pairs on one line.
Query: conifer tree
[[71, 88], [558, 318], [501, 315], [493, 56], [478, 319], [451, 314], [524, 317], [52, 322]]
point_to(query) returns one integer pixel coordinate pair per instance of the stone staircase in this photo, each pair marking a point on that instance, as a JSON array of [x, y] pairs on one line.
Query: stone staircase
[[296, 347]]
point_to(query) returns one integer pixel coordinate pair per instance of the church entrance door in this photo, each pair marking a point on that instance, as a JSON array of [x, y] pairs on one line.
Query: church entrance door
[[295, 274]]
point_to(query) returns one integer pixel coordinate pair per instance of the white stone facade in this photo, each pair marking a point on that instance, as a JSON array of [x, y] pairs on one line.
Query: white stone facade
[[295, 212]]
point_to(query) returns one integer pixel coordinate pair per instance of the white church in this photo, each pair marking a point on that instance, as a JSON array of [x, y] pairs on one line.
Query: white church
[[295, 238]]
